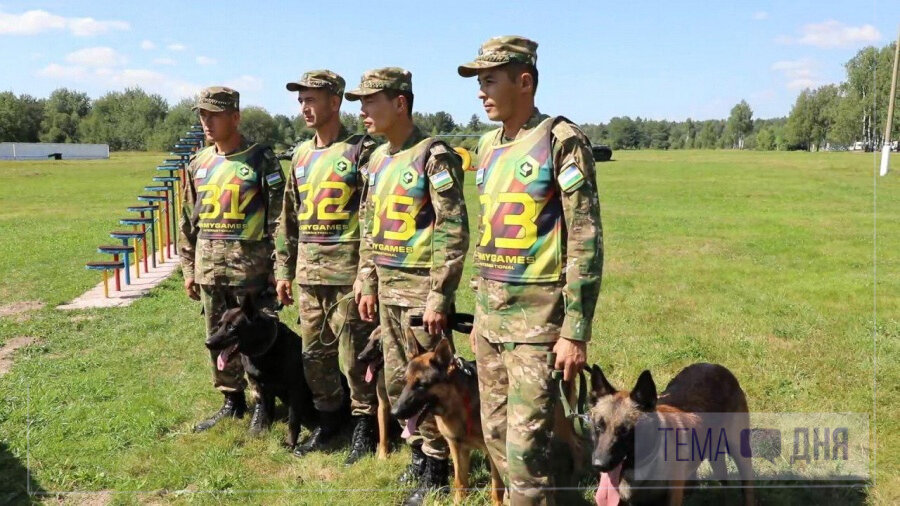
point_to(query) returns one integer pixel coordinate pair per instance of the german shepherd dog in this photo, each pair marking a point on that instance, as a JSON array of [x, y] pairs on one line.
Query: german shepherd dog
[[686, 404], [271, 354], [447, 386], [372, 356]]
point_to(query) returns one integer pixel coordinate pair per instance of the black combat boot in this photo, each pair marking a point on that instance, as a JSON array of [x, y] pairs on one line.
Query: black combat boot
[[363, 441], [416, 467], [234, 407], [259, 421], [435, 478], [329, 425]]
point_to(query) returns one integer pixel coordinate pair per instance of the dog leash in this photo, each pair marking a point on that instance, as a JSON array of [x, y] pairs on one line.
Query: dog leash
[[328, 312], [578, 414]]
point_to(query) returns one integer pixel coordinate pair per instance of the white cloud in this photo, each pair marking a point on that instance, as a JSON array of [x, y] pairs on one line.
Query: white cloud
[[96, 57], [85, 27], [30, 22], [147, 45], [177, 46], [760, 15], [205, 60], [164, 61], [831, 33], [150, 81], [245, 84], [38, 21], [57, 71], [800, 74]]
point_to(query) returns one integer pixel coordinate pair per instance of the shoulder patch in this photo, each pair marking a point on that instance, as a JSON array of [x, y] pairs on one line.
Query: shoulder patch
[[274, 178], [564, 129], [571, 178], [441, 181]]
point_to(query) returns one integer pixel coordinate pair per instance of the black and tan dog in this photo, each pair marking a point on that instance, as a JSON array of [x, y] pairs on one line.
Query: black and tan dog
[[271, 355], [372, 356], [447, 386], [700, 397]]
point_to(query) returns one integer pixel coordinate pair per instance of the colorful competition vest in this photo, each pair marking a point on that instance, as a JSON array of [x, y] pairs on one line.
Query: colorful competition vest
[[327, 185], [230, 204], [403, 217], [521, 212]]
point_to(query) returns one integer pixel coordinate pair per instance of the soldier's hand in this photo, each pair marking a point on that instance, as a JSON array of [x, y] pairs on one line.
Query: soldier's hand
[[434, 322], [570, 357], [191, 289], [367, 307], [285, 292]]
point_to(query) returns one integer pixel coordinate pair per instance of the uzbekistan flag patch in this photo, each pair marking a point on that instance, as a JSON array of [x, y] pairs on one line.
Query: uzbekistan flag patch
[[441, 181], [571, 178], [274, 178]]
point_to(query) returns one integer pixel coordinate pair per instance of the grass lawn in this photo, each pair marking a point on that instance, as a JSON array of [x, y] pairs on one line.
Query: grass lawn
[[762, 262]]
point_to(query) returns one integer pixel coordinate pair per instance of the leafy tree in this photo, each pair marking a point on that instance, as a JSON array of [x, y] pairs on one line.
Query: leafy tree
[[624, 133], [740, 124], [63, 112], [20, 117], [178, 120], [258, 126], [124, 120]]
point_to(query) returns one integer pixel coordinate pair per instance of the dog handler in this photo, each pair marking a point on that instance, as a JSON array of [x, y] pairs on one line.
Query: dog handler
[[231, 201], [414, 245], [538, 264], [318, 245]]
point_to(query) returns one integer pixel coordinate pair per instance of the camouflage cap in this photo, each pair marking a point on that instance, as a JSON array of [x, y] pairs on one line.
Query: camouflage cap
[[218, 99], [319, 79], [375, 80], [500, 51]]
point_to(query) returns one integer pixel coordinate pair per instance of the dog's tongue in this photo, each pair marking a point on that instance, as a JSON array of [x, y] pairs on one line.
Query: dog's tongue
[[608, 491], [224, 355], [370, 373], [410, 427]]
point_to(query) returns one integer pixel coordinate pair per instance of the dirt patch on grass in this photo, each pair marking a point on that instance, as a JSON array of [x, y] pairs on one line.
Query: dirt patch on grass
[[9, 348], [19, 310]]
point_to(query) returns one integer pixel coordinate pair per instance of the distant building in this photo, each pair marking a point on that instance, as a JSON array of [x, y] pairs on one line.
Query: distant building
[[45, 150]]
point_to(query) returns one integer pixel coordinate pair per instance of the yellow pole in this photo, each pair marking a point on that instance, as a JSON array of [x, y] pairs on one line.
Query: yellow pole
[[105, 284]]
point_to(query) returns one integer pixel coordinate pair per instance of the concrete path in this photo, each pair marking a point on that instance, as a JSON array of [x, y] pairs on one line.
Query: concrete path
[[139, 287]]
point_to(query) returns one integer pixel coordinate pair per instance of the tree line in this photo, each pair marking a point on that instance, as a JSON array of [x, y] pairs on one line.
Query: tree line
[[832, 115]]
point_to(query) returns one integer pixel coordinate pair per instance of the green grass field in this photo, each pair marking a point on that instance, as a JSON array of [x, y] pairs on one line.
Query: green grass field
[[762, 262]]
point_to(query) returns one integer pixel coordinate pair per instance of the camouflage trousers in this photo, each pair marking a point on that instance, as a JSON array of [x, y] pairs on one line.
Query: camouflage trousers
[[217, 299], [399, 347], [330, 348], [518, 400]]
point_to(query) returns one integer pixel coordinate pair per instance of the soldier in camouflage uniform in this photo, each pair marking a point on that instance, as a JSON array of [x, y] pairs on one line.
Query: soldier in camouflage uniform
[[318, 244], [538, 258], [231, 201], [415, 240]]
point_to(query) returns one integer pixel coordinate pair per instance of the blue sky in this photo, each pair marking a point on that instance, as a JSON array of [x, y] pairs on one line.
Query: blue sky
[[665, 60]]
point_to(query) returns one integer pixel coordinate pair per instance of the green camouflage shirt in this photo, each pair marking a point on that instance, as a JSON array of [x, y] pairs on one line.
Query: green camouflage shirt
[[525, 312], [228, 261], [320, 263], [433, 288]]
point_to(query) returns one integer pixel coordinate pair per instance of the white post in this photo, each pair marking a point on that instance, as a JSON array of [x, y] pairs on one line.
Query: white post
[[886, 149]]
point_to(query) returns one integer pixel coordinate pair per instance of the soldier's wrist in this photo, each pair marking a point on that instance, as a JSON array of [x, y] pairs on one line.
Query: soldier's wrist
[[575, 329], [437, 302]]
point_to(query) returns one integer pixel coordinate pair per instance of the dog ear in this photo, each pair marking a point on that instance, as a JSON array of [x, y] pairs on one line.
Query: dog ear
[[443, 355], [644, 392], [419, 348], [599, 385]]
